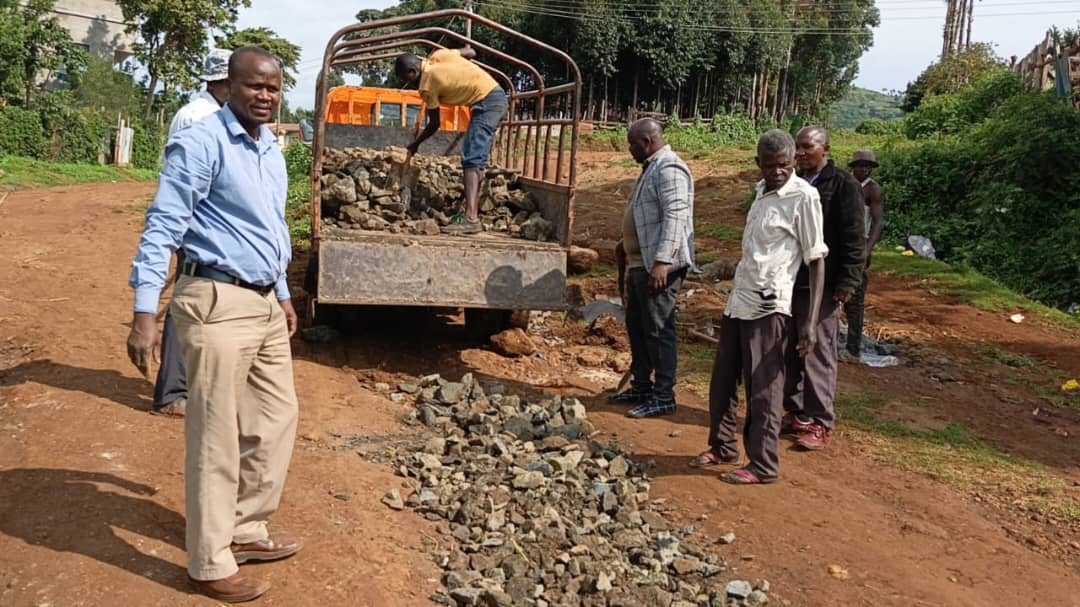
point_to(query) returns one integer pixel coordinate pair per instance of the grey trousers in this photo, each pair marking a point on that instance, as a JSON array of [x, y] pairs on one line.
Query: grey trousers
[[750, 351], [854, 310], [171, 383], [810, 387], [650, 323]]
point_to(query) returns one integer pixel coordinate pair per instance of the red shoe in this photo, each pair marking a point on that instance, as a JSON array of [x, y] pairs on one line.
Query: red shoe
[[816, 438], [794, 424]]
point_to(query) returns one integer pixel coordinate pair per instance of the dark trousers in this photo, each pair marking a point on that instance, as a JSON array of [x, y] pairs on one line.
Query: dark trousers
[[811, 382], [854, 310], [650, 323], [750, 351], [171, 383]]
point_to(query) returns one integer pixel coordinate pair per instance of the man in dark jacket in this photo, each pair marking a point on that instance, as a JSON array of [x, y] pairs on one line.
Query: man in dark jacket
[[810, 385]]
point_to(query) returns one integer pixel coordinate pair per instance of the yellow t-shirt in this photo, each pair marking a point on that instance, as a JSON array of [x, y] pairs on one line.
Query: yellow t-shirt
[[447, 78]]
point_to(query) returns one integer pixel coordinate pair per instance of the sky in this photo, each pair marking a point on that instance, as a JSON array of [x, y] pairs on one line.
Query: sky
[[908, 40]]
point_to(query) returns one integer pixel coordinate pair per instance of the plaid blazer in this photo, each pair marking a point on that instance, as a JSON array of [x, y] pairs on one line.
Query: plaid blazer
[[663, 204]]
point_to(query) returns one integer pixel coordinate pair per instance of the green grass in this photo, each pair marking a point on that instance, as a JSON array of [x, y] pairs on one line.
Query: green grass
[[722, 233], [968, 286], [22, 173], [1009, 359]]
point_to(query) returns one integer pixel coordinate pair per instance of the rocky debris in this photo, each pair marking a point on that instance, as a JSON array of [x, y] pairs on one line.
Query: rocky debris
[[393, 500], [535, 512], [580, 260], [721, 269], [361, 190], [727, 538], [513, 343]]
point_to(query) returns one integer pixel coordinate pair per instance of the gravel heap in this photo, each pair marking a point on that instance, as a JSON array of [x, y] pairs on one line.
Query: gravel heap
[[360, 191], [537, 513]]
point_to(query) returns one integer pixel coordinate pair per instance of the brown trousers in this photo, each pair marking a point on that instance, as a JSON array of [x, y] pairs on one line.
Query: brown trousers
[[750, 351], [810, 387], [240, 421]]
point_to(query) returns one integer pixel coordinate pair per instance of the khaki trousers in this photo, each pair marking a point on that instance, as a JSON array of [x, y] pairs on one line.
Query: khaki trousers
[[241, 417]]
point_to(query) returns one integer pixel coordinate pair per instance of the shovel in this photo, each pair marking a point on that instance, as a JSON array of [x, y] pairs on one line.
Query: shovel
[[406, 175]]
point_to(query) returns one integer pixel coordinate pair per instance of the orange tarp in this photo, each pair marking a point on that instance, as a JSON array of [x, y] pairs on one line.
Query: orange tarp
[[367, 106]]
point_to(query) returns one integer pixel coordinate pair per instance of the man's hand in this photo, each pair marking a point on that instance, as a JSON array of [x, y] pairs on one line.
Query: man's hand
[[807, 339], [658, 277], [143, 343], [869, 256], [843, 296], [413, 147], [290, 315]]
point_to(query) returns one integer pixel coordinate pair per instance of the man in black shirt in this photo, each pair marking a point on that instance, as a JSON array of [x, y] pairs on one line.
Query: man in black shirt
[[810, 385]]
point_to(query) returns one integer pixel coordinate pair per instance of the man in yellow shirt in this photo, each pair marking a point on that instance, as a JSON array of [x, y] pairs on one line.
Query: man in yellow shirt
[[449, 77]]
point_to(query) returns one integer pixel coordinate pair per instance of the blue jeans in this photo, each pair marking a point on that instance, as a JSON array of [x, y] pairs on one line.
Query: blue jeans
[[486, 116]]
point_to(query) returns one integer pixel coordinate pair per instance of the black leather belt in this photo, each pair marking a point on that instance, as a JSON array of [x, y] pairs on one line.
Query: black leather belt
[[194, 269]]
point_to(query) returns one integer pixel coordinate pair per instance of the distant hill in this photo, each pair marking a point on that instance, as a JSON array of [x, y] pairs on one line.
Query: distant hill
[[860, 104]]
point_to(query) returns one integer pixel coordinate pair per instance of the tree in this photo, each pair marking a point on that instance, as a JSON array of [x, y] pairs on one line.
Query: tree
[[952, 74], [171, 36], [34, 47], [286, 52]]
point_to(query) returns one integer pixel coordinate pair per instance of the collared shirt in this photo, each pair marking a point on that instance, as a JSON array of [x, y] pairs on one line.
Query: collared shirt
[[202, 105], [783, 231], [663, 207], [221, 197], [447, 78]]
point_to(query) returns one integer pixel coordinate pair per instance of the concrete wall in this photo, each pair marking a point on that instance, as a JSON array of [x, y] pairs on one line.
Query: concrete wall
[[98, 24]]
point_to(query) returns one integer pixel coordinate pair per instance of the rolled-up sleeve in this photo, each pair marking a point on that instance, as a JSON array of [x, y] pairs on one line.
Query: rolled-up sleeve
[[809, 229], [673, 184], [185, 180]]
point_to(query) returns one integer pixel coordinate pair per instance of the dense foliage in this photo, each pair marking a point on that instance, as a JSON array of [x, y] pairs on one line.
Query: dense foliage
[[767, 59], [996, 186]]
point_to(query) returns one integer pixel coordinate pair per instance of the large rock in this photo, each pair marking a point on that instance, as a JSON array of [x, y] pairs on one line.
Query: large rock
[[537, 228], [342, 192], [580, 260], [513, 342]]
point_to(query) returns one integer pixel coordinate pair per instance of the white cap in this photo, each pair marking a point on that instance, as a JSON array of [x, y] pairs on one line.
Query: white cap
[[216, 65]]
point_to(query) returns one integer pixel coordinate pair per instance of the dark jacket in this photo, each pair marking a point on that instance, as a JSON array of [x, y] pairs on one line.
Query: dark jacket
[[843, 215]]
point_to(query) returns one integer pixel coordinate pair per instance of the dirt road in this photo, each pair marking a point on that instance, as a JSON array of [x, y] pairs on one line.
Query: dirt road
[[91, 502]]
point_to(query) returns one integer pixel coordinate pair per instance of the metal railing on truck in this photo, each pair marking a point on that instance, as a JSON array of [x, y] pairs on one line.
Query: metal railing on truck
[[537, 117]]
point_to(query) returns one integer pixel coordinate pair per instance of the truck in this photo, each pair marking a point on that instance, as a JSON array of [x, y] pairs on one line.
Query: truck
[[487, 275]]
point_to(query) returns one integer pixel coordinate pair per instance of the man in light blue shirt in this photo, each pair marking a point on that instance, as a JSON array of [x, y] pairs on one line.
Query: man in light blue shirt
[[221, 199]]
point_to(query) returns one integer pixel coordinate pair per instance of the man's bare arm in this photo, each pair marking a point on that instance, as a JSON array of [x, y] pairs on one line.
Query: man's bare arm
[[876, 207], [468, 52], [433, 121]]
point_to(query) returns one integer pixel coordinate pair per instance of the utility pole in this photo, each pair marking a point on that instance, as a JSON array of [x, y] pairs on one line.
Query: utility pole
[[468, 22]]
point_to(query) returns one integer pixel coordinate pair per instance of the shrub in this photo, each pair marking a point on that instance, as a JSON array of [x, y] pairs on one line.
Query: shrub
[[1000, 198], [149, 141], [877, 126], [21, 133], [72, 134]]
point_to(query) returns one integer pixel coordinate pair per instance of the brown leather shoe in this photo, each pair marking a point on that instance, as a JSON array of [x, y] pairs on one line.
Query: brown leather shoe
[[270, 549], [234, 589]]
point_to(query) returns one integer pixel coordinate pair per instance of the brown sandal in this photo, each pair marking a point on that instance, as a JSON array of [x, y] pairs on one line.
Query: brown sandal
[[709, 458]]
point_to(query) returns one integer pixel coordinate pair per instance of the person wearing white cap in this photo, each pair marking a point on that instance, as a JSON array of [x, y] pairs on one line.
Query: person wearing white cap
[[170, 387], [216, 76]]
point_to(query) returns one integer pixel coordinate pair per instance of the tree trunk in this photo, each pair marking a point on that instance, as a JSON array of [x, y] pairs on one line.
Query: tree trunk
[[150, 95], [603, 103], [776, 100], [962, 19], [697, 97], [637, 77], [970, 19], [590, 110], [750, 105], [946, 36]]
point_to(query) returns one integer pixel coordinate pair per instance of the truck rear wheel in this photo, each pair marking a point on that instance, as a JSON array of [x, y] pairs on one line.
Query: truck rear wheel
[[481, 324]]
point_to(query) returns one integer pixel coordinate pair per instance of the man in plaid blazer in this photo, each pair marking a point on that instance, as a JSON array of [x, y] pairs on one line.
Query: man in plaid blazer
[[655, 253]]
